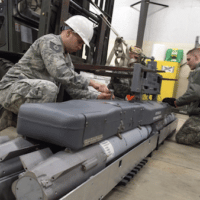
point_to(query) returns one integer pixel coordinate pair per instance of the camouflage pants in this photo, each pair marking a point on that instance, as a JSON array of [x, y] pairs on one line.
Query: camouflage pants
[[189, 133], [27, 91]]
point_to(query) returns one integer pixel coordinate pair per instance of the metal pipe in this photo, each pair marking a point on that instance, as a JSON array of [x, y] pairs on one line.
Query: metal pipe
[[83, 10], [23, 16], [135, 3], [159, 4]]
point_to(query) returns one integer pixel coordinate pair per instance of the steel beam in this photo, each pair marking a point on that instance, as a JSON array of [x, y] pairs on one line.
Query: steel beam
[[143, 18], [64, 11], [99, 43], [142, 22]]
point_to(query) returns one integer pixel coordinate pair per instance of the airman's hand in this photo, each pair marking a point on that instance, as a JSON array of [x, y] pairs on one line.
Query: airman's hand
[[103, 88], [105, 96], [99, 87], [170, 101]]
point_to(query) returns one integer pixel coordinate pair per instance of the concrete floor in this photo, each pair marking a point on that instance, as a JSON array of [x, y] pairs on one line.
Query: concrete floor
[[172, 173]]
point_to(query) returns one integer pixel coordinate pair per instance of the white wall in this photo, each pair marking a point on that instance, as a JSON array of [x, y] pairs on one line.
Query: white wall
[[175, 26], [125, 19]]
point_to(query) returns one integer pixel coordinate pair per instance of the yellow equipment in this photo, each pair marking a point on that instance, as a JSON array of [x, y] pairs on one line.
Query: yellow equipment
[[168, 88]]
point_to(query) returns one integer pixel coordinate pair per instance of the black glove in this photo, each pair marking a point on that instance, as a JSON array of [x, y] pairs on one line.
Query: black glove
[[170, 101]]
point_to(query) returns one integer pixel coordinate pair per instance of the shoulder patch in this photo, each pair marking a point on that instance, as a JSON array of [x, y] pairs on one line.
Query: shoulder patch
[[55, 47]]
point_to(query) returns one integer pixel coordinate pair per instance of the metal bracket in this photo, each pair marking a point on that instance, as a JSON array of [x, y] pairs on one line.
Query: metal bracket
[[149, 3]]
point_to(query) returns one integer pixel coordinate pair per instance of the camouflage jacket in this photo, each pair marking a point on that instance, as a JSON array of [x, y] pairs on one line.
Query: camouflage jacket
[[121, 86], [192, 95], [47, 60]]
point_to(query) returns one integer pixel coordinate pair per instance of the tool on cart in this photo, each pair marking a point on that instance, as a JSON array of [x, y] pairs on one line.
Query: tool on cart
[[112, 93]]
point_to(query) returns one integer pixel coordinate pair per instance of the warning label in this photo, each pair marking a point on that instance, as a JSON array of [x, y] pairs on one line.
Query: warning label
[[108, 148]]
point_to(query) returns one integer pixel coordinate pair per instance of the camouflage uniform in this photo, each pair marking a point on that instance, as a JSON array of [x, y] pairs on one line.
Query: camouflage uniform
[[190, 131], [121, 86], [35, 77]]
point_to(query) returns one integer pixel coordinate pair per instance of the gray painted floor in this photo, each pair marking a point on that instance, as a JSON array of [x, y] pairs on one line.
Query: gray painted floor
[[172, 173]]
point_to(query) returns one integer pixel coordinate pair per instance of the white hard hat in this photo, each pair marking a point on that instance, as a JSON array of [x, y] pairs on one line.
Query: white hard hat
[[82, 26]]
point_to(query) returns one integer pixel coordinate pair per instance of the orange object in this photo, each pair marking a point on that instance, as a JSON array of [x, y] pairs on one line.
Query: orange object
[[129, 97]]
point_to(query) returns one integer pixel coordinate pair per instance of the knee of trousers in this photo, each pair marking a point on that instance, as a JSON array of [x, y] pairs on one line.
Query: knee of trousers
[[50, 90], [178, 138], [183, 138]]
